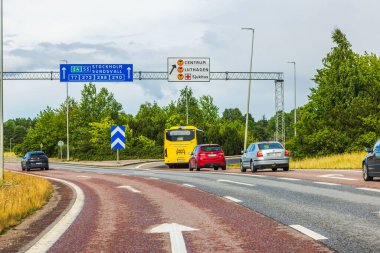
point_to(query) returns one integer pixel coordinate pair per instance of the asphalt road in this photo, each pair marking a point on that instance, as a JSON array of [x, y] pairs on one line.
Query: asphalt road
[[343, 217]]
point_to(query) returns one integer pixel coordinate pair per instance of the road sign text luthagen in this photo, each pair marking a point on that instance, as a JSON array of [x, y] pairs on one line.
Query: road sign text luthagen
[[96, 72]]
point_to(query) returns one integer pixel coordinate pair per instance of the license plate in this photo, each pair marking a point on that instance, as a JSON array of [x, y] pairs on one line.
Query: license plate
[[38, 163], [211, 155], [180, 160]]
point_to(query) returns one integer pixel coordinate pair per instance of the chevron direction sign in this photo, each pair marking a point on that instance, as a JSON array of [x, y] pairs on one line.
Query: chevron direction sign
[[117, 137]]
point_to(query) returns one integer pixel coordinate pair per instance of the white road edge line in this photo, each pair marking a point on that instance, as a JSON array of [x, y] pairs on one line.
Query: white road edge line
[[233, 199], [154, 178], [234, 182], [308, 232], [325, 183], [130, 188], [189, 185], [51, 236], [368, 189]]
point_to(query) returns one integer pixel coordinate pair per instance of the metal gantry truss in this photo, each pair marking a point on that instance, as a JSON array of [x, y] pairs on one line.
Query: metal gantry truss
[[278, 77]]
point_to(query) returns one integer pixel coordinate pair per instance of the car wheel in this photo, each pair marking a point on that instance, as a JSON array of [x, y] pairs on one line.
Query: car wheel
[[274, 169], [366, 177], [242, 169], [286, 168], [224, 168], [216, 168], [27, 168], [47, 168], [191, 169], [253, 168], [197, 168]]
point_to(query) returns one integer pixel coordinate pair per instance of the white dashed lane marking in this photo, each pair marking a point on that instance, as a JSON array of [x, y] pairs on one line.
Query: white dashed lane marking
[[289, 179], [233, 199], [189, 185], [309, 232], [325, 183], [130, 188], [234, 182]]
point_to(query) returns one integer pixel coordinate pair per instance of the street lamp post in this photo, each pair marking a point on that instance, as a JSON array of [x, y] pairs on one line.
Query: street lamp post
[[187, 109], [67, 118], [249, 89], [10, 145], [295, 97], [1, 99]]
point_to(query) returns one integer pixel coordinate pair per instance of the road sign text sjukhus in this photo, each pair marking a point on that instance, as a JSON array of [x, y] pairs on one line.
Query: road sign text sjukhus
[[96, 72]]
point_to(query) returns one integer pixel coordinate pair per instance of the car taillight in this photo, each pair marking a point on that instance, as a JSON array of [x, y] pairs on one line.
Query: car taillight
[[259, 153], [287, 152]]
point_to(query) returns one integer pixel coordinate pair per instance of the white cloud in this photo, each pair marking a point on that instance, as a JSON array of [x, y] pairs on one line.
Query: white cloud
[[40, 33]]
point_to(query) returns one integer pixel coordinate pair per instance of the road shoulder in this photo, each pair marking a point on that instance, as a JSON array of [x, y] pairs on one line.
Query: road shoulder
[[31, 227]]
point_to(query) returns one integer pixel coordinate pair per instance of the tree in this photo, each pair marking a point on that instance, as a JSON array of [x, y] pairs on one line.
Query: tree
[[342, 114]]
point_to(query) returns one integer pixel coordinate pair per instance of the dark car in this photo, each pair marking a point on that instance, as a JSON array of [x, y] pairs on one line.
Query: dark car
[[371, 163], [35, 159], [265, 154], [207, 156]]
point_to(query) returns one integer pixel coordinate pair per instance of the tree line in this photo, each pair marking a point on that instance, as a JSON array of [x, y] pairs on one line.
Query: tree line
[[342, 115]]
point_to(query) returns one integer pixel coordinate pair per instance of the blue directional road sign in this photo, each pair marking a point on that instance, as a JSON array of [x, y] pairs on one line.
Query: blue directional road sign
[[117, 137], [96, 72]]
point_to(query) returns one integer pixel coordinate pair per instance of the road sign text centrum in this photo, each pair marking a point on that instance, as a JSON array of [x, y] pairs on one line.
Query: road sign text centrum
[[194, 69], [96, 72]]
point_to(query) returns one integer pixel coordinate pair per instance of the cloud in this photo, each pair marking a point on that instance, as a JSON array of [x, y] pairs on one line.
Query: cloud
[[48, 56]]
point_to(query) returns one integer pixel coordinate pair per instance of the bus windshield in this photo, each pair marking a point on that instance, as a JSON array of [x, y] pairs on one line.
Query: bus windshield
[[180, 135]]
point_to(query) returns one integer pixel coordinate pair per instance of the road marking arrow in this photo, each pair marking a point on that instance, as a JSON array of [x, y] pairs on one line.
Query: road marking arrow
[[337, 176], [176, 238]]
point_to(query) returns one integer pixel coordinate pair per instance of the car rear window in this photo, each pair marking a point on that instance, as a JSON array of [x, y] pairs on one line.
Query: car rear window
[[272, 145], [37, 155], [211, 148]]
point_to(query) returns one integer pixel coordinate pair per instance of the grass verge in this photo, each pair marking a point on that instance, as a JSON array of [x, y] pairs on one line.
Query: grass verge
[[20, 196], [340, 161]]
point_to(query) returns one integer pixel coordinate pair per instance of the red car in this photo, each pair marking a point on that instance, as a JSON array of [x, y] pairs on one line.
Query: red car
[[207, 156]]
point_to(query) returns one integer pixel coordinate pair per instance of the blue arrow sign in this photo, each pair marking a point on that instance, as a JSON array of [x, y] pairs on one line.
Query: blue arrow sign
[[96, 72], [117, 137]]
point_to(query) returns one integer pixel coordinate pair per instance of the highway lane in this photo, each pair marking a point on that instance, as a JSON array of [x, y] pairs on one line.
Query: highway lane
[[126, 212], [348, 217]]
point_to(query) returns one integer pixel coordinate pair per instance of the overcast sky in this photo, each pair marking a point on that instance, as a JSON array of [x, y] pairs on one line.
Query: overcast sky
[[40, 33]]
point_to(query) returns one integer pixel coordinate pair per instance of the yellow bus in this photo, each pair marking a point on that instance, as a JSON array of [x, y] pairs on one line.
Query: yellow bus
[[179, 141]]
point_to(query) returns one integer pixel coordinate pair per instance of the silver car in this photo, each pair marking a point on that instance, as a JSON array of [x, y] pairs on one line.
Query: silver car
[[266, 154]]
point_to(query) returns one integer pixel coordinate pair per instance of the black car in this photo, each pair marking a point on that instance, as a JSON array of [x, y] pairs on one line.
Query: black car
[[371, 163], [35, 159]]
